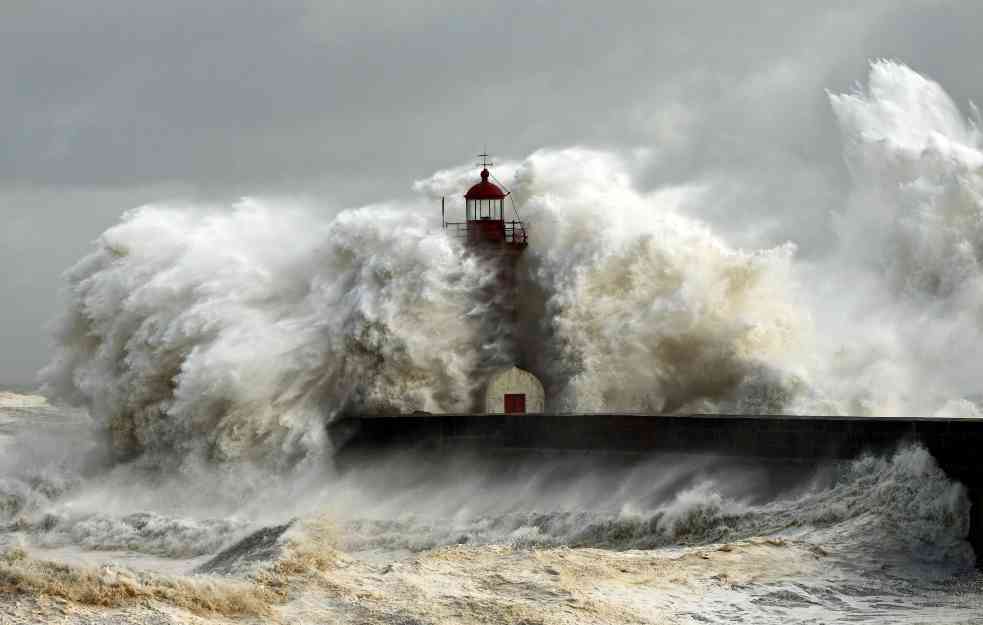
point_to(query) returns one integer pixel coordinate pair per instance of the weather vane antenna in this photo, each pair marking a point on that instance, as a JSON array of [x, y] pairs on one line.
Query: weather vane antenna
[[485, 163]]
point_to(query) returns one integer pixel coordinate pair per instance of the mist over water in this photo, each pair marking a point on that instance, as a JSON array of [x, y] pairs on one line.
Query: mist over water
[[210, 346]]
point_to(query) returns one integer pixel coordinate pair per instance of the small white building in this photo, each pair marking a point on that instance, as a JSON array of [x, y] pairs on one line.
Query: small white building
[[514, 391]]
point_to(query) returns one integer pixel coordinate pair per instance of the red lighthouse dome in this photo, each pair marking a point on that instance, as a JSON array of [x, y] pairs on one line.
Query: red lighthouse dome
[[485, 190]]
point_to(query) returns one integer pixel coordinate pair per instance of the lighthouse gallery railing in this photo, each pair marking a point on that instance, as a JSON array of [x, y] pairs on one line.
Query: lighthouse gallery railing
[[514, 231]]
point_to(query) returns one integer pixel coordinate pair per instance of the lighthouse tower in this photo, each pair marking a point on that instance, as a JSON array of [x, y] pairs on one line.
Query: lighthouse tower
[[498, 243]]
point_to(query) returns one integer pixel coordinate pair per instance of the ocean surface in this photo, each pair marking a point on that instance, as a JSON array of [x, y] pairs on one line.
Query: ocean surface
[[686, 539]]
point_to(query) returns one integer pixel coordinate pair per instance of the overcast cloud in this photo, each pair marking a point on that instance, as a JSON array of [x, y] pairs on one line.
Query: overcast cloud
[[108, 104]]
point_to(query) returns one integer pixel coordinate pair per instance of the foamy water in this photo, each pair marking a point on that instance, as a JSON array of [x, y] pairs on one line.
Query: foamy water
[[465, 539], [206, 347]]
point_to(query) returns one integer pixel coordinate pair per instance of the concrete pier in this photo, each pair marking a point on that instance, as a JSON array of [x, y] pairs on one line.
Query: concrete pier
[[955, 443]]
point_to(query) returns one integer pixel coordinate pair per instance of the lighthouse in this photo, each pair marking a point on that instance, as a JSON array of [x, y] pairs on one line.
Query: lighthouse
[[497, 237]]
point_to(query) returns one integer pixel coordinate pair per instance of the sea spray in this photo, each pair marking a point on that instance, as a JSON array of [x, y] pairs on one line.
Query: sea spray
[[901, 294], [642, 307], [236, 334], [665, 314]]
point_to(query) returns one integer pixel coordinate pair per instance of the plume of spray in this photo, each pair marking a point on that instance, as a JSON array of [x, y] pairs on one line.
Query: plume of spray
[[906, 280], [648, 308], [235, 334]]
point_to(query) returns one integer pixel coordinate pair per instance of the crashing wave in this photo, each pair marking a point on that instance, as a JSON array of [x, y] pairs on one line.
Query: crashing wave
[[233, 335], [236, 334]]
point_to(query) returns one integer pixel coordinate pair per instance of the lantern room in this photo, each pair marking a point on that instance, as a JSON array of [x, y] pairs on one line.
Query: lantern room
[[485, 200], [486, 224]]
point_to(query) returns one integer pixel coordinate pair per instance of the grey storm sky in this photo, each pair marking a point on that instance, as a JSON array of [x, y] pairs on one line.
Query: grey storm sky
[[109, 104]]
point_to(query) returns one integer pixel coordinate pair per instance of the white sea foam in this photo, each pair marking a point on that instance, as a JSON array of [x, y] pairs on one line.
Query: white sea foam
[[405, 520]]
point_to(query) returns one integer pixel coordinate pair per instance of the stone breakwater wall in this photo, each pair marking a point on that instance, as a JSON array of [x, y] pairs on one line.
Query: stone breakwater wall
[[955, 443]]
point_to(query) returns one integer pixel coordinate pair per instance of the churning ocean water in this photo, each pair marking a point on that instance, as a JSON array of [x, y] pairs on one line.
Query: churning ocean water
[[406, 540]]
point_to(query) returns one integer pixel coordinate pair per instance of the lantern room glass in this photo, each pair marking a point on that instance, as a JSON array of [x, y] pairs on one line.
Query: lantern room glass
[[485, 210]]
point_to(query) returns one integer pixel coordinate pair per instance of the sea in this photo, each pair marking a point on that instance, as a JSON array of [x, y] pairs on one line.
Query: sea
[[681, 539]]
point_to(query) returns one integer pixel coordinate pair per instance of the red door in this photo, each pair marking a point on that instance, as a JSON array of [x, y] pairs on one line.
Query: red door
[[515, 403]]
